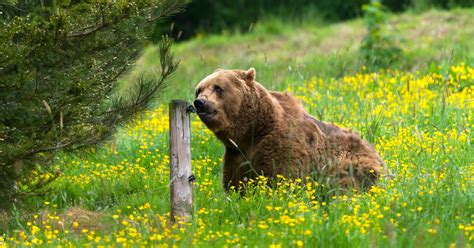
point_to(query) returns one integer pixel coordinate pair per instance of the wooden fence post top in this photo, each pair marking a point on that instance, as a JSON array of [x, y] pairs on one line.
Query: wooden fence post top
[[179, 102]]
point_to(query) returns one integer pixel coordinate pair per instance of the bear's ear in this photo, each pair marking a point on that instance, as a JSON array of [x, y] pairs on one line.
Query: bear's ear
[[249, 75], [218, 69]]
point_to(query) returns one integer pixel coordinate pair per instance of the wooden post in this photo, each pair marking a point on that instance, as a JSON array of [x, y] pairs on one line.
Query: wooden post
[[180, 159]]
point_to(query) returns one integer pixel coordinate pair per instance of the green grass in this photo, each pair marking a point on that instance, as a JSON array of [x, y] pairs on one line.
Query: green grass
[[419, 117], [285, 52]]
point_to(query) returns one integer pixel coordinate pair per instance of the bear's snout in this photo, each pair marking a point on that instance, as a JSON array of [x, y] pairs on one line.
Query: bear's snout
[[199, 103], [205, 109]]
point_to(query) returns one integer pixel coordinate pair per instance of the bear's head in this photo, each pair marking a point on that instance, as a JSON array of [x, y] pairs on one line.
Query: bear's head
[[220, 96]]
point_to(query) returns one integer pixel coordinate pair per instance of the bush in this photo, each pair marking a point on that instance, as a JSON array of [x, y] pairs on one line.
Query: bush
[[378, 47]]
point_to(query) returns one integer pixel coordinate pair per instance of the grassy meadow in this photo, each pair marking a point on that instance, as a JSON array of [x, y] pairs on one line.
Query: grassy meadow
[[418, 114]]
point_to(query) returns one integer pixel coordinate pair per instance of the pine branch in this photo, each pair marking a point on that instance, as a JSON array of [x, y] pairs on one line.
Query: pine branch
[[11, 6], [167, 10]]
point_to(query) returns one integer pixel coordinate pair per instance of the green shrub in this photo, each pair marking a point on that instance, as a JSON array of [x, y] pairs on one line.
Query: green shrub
[[378, 47]]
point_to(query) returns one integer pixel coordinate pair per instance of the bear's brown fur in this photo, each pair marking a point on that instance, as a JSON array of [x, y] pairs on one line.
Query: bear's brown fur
[[269, 133]]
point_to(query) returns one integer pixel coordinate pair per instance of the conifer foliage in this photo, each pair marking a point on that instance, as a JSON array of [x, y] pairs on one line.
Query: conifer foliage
[[60, 61]]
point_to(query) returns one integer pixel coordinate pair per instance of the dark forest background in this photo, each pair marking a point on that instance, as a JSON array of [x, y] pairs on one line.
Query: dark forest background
[[210, 16]]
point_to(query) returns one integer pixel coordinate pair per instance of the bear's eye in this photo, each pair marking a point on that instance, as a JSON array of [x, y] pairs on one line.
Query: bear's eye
[[217, 89]]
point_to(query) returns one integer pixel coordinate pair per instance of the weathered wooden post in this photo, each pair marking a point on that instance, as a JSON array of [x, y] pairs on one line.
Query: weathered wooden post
[[180, 161]]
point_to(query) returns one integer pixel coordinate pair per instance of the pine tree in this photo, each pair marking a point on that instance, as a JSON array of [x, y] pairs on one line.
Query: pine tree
[[60, 61]]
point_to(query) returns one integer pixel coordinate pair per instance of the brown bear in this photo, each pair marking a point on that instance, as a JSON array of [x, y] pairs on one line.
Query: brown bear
[[269, 133]]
